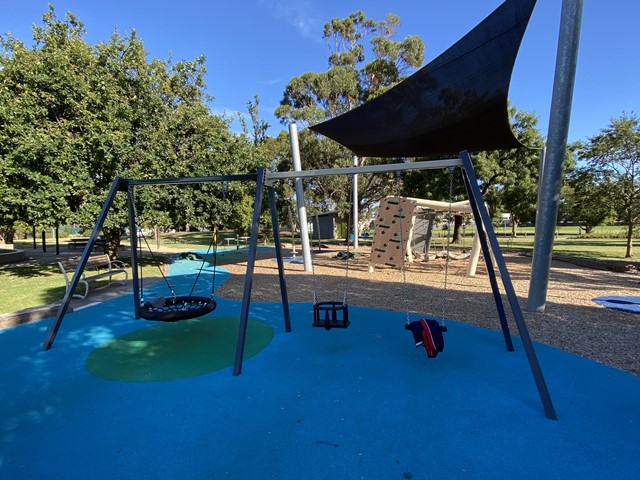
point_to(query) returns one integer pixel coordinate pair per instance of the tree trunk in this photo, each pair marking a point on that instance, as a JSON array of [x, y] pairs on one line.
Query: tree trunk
[[112, 241], [457, 226], [7, 235], [629, 253]]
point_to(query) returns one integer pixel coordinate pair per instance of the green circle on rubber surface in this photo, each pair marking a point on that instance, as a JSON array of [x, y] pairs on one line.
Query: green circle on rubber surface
[[170, 351]]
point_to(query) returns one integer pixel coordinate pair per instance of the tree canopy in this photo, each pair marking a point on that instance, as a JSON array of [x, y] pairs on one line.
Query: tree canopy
[[613, 155], [74, 115], [585, 200], [349, 81]]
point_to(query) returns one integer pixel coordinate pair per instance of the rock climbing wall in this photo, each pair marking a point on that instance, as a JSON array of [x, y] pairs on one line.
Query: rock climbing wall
[[392, 232]]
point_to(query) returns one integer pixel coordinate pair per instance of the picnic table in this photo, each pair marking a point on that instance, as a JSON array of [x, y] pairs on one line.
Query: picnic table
[[238, 241], [82, 242]]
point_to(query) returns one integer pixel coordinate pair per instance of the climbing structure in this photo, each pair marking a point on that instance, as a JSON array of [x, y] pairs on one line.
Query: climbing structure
[[393, 231]]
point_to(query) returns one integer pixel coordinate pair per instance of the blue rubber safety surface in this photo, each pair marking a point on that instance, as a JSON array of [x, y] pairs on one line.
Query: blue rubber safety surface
[[624, 304], [344, 404]]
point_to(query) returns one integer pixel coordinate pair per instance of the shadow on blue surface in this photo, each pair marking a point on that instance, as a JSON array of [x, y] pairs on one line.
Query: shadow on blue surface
[[355, 403]]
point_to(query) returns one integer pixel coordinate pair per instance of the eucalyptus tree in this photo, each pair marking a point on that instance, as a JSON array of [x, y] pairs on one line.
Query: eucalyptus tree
[[614, 156], [349, 81]]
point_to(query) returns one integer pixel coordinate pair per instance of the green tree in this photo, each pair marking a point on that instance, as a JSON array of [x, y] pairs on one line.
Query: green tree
[[614, 156], [73, 116], [43, 98], [508, 178], [585, 200], [259, 126], [348, 82]]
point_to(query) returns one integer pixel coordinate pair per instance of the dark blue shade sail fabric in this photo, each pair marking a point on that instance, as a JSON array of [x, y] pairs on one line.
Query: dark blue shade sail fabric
[[456, 102]]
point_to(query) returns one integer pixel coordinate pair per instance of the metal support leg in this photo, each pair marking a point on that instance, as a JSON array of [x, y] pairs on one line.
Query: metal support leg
[[133, 239], [482, 238], [476, 198], [248, 279], [276, 240], [53, 330]]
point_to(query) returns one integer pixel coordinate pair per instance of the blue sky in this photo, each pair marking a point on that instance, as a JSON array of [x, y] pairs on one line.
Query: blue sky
[[257, 46]]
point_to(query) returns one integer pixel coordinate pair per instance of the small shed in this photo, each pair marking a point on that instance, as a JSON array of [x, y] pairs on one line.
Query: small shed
[[325, 223]]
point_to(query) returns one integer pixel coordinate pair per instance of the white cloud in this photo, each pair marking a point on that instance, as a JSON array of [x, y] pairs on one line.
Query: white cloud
[[273, 81], [300, 15]]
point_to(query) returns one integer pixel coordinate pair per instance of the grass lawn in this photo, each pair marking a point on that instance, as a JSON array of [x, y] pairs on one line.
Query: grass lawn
[[589, 248], [568, 242], [186, 240], [25, 287], [34, 286]]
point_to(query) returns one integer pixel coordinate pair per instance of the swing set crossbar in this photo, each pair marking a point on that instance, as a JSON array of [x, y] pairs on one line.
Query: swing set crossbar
[[186, 180], [272, 177]]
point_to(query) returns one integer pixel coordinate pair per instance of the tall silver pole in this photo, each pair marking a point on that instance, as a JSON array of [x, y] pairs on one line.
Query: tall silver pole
[[302, 211], [549, 190], [355, 205]]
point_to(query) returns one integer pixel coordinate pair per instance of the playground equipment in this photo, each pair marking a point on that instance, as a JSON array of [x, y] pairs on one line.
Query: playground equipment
[[188, 306], [386, 234], [174, 307], [456, 103], [332, 314]]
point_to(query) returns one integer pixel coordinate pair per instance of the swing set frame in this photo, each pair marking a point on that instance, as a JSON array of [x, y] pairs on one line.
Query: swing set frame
[[265, 179]]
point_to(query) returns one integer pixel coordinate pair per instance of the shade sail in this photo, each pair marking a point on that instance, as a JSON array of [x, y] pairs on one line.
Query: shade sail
[[456, 102]]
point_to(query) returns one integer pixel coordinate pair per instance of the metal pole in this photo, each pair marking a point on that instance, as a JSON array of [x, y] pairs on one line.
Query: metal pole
[[387, 167], [276, 241], [302, 211], [133, 240], [248, 278], [483, 221], [549, 191], [53, 329], [355, 205]]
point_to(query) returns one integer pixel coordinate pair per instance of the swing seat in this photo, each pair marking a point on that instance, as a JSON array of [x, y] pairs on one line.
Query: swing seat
[[427, 333], [330, 315], [173, 309]]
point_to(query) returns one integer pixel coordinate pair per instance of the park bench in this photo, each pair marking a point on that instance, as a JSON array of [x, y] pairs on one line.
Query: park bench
[[97, 267], [82, 242]]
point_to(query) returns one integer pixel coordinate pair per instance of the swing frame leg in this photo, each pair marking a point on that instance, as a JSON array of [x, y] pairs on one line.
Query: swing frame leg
[[75, 280], [481, 217]]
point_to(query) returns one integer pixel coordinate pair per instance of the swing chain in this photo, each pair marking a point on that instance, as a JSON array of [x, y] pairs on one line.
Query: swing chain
[[213, 244], [443, 306], [405, 295], [346, 276], [313, 263], [136, 220], [346, 271]]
